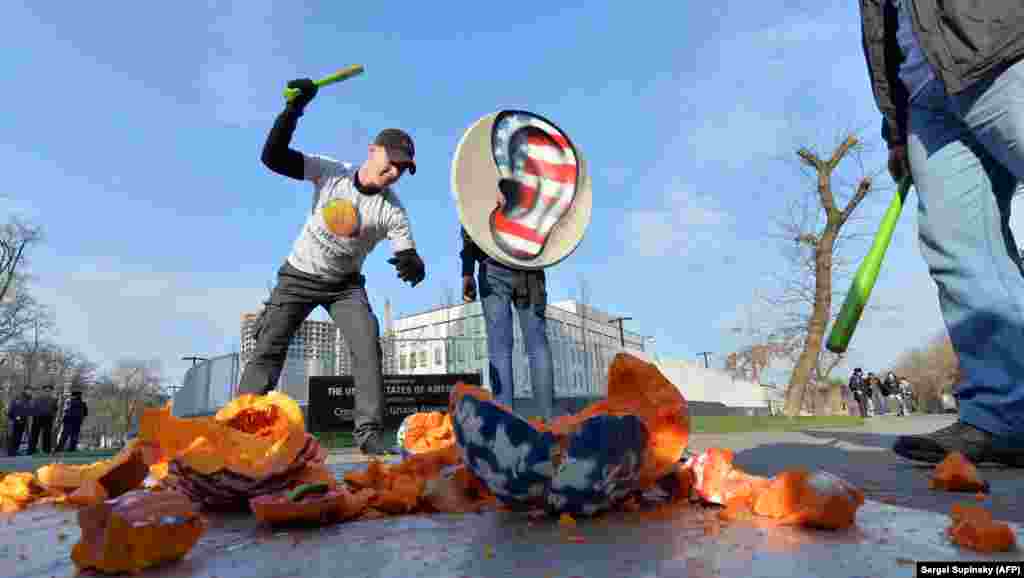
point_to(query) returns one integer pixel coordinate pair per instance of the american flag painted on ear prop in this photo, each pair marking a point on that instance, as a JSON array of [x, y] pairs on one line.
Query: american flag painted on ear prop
[[539, 171]]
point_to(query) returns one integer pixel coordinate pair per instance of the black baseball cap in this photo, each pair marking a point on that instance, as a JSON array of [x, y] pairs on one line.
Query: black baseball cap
[[399, 145]]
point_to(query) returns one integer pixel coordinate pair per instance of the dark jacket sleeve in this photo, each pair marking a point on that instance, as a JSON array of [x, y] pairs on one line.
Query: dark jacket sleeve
[[470, 254], [277, 155], [883, 55]]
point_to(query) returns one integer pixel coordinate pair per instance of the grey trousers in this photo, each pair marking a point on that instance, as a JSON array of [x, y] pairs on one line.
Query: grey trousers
[[296, 295]]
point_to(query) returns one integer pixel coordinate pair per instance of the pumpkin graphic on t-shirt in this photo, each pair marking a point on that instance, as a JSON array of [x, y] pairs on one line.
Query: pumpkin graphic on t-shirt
[[341, 218]]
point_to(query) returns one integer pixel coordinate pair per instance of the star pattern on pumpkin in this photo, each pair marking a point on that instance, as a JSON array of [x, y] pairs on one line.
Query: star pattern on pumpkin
[[510, 456]]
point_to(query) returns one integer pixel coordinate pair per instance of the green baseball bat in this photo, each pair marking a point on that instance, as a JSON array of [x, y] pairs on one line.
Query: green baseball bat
[[867, 274], [343, 74]]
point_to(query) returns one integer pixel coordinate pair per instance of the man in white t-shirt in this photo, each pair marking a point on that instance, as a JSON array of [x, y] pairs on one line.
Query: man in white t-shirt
[[354, 208]]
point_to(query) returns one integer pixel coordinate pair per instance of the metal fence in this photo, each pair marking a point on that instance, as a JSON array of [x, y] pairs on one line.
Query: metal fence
[[208, 386], [580, 372]]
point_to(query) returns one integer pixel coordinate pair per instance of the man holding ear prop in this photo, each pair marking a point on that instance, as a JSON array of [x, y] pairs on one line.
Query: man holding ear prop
[[354, 208]]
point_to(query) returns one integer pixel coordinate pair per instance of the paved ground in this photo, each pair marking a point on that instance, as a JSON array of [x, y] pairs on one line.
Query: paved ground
[[888, 538]]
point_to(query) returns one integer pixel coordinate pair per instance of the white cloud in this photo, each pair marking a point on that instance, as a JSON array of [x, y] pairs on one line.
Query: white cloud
[[110, 314], [683, 222]]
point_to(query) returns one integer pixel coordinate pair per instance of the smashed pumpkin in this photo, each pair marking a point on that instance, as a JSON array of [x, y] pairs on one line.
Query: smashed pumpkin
[[817, 500], [135, 531], [95, 482], [433, 481], [718, 481], [425, 431], [255, 445], [310, 504], [18, 490], [582, 463], [957, 474], [638, 388], [973, 527]]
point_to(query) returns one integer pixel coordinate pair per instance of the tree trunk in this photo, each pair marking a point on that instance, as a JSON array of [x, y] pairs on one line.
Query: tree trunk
[[808, 361]]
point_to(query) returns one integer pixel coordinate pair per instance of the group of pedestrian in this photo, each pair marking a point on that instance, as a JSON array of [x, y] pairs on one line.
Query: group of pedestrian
[[872, 395], [34, 415]]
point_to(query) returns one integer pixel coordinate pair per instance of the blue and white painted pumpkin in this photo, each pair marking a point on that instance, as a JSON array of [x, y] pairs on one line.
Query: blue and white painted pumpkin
[[599, 466]]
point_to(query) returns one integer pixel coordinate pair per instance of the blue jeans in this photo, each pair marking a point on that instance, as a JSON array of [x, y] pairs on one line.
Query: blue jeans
[[966, 155], [496, 285]]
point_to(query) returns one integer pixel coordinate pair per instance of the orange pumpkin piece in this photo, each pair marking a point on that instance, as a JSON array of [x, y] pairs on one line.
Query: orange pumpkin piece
[[819, 500], [973, 527], [124, 472], [90, 493], [18, 490], [459, 492], [717, 480], [255, 445], [428, 431], [957, 474], [253, 436], [638, 388], [335, 505], [135, 531]]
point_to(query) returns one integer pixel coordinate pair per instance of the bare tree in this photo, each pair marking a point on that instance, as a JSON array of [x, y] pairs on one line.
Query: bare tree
[[21, 316], [35, 354], [16, 238], [136, 385], [814, 239]]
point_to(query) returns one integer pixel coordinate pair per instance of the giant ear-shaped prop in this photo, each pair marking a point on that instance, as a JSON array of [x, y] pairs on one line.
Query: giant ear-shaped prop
[[541, 179]]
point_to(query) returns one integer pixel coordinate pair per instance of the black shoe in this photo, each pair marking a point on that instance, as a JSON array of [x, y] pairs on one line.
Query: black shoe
[[972, 442], [375, 446]]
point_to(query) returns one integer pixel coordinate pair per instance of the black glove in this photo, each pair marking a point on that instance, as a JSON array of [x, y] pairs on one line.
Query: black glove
[[307, 90], [409, 265]]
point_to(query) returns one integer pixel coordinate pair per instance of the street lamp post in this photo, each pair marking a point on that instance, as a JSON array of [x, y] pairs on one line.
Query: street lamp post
[[194, 359], [622, 333]]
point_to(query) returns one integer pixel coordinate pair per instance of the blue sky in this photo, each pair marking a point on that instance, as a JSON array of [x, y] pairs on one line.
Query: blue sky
[[133, 135]]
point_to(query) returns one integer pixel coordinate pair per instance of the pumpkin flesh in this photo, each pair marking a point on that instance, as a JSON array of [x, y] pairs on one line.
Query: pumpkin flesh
[[956, 473], [255, 445], [973, 527], [135, 531]]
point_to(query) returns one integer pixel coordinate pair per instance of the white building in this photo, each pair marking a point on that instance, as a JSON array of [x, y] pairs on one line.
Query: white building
[[453, 340], [317, 348], [698, 383]]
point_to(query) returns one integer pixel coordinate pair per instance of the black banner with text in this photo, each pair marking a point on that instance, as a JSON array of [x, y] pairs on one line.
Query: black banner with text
[[332, 398]]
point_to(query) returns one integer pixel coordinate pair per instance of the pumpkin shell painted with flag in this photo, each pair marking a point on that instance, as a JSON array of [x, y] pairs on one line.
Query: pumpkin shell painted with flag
[[517, 461]]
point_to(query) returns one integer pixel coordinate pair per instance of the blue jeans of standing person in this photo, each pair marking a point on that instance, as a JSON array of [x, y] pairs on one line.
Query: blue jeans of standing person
[[496, 291], [966, 155]]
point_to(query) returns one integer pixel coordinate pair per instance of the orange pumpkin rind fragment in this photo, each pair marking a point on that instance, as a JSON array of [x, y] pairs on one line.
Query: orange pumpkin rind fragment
[[956, 473], [18, 490], [124, 472], [818, 500], [973, 527], [135, 531], [426, 431], [335, 505], [255, 437]]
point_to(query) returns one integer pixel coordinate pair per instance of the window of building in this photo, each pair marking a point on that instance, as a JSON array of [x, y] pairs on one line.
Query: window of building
[[403, 361], [423, 358], [412, 360], [481, 349], [437, 356]]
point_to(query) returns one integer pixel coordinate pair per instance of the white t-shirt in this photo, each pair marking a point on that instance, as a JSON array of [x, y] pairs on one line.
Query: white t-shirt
[[345, 225]]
